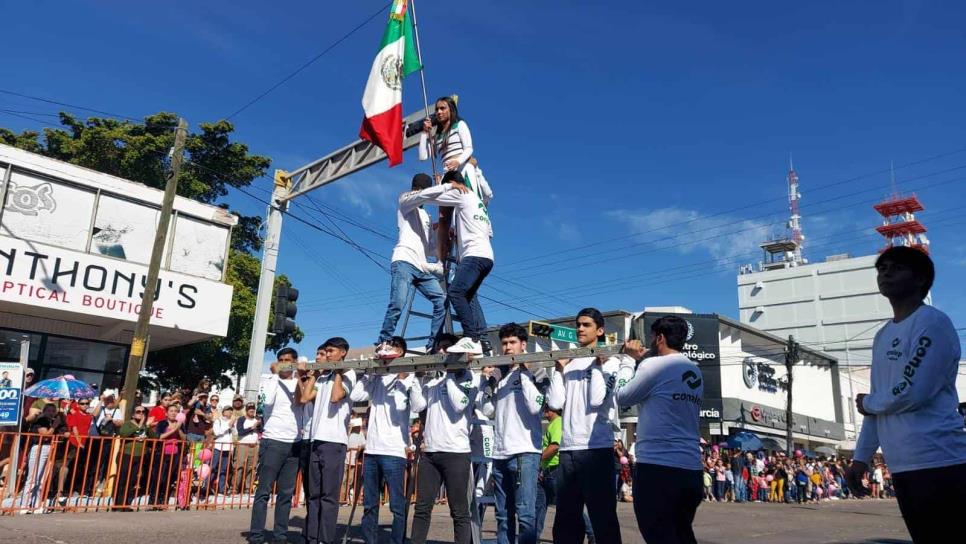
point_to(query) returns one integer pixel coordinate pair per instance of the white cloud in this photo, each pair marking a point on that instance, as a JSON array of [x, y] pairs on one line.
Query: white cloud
[[370, 192], [724, 237]]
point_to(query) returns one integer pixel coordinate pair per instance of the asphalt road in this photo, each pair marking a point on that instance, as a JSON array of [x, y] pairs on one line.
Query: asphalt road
[[862, 522]]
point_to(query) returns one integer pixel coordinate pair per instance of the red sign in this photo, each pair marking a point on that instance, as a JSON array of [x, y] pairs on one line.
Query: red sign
[[756, 413]]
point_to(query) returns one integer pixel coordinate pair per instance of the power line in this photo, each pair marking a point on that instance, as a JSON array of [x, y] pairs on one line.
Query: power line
[[68, 105], [308, 63], [747, 206]]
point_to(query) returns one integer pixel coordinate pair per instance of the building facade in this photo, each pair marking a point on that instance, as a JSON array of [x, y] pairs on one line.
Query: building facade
[[74, 249]]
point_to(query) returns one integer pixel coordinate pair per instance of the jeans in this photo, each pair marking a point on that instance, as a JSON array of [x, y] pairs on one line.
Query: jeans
[[454, 470], [326, 470], [376, 470], [470, 273], [546, 495], [931, 500], [719, 488], [665, 501], [219, 468], [404, 277], [278, 463], [585, 477], [741, 489], [516, 484]]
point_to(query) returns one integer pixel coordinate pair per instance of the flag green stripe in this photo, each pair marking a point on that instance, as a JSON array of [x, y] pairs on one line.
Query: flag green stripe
[[402, 30]]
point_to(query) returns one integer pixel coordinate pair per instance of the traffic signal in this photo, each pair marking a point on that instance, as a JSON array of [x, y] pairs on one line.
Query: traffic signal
[[539, 328], [285, 309]]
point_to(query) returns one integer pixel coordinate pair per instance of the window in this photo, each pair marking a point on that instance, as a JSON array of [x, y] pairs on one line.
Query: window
[[47, 211], [124, 229], [199, 248], [10, 346]]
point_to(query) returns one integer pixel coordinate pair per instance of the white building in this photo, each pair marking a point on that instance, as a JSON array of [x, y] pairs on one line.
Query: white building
[[74, 248]]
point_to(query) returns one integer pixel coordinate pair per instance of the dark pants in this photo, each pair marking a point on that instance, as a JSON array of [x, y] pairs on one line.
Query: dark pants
[[219, 469], [376, 470], [586, 478], [546, 495], [665, 501], [326, 469], [470, 273], [99, 461], [129, 473], [453, 470], [164, 478], [278, 464], [931, 500]]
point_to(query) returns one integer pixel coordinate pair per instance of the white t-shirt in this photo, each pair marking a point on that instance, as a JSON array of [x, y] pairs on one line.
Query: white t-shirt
[[668, 391], [519, 414], [415, 232], [283, 420], [585, 393], [221, 429], [450, 400], [913, 398], [472, 221], [250, 438], [391, 401], [330, 421]]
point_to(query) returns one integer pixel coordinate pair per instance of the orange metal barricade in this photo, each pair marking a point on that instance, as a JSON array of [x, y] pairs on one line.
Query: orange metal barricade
[[55, 474]]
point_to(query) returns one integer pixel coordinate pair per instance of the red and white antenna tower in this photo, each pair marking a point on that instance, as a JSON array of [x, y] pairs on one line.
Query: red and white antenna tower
[[899, 224], [795, 223]]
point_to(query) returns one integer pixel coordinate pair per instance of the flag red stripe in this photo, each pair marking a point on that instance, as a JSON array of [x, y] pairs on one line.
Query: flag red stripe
[[385, 130]]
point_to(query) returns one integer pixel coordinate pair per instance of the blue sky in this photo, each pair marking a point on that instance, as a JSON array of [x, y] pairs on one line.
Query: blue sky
[[638, 152]]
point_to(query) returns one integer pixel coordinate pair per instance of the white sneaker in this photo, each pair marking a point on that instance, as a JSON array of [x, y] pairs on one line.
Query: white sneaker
[[466, 345], [386, 352]]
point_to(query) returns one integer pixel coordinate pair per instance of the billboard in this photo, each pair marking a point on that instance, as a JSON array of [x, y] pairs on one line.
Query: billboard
[[11, 388]]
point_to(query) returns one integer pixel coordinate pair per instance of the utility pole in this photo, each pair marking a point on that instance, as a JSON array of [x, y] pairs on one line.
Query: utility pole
[[266, 284], [791, 357], [139, 342]]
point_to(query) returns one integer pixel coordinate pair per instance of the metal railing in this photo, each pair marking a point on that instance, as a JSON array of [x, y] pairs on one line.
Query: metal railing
[[91, 474]]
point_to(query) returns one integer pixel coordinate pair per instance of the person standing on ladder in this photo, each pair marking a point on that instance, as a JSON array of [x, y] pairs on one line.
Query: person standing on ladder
[[475, 257], [410, 268]]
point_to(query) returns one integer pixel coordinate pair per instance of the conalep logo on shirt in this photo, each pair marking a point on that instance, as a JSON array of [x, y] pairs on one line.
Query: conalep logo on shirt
[[691, 378], [910, 370]]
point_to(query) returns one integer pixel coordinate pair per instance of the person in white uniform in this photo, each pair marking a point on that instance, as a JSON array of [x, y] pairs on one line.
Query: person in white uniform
[[911, 409], [410, 268], [329, 390], [392, 398]]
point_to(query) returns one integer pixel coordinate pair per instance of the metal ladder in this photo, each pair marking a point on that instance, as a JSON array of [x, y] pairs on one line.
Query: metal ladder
[[409, 312]]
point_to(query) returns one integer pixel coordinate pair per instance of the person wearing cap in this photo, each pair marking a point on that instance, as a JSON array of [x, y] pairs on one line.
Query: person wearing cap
[[410, 267], [329, 391], [392, 398], [247, 428], [237, 406]]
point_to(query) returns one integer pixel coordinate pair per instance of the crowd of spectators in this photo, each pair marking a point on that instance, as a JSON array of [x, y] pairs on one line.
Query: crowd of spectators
[[740, 476]]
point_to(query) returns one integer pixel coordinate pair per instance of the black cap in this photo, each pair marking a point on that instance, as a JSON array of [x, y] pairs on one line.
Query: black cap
[[453, 175]]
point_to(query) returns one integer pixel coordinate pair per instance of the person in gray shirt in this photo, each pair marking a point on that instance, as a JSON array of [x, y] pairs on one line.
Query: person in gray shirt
[[667, 388]]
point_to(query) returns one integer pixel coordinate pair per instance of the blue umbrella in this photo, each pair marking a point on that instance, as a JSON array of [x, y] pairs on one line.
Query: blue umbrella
[[60, 388], [745, 441]]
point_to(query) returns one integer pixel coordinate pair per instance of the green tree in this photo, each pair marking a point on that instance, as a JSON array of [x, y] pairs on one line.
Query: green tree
[[214, 164]]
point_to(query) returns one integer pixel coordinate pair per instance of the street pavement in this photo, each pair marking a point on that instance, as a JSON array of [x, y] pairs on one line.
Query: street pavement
[[860, 522]]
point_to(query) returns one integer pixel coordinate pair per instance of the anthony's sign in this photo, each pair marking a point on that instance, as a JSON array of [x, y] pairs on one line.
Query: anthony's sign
[[40, 275]]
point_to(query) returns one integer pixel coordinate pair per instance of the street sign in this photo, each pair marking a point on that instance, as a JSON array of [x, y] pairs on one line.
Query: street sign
[[11, 384], [553, 332]]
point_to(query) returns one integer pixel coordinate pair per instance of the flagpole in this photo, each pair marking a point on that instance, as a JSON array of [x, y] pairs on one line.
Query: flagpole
[[422, 80]]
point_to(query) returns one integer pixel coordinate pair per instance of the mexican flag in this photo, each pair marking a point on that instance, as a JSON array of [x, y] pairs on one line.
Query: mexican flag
[[382, 100]]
